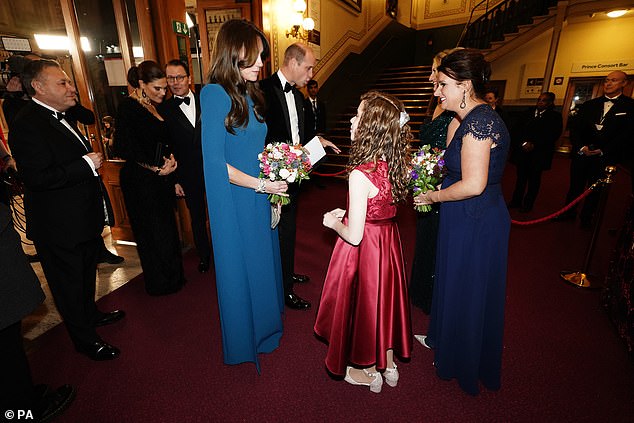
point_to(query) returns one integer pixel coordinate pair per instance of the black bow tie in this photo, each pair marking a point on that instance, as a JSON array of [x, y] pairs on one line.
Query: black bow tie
[[59, 115], [180, 100], [611, 100], [287, 87]]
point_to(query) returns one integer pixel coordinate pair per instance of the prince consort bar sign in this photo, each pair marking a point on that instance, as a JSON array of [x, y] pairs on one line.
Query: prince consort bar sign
[[603, 66]]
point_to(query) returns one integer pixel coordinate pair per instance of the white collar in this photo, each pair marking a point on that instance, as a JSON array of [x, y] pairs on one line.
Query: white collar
[[283, 79], [52, 109]]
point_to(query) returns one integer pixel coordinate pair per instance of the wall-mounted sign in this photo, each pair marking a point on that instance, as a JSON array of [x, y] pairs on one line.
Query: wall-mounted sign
[[533, 86], [16, 44], [180, 28], [603, 66]]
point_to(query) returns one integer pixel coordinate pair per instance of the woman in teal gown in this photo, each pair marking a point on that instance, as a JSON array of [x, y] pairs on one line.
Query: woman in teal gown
[[246, 250]]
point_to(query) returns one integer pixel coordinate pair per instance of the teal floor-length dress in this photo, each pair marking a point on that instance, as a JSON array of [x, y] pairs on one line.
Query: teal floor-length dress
[[246, 250]]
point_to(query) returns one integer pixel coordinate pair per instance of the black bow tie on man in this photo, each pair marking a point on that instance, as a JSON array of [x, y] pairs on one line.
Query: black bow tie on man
[[287, 87], [59, 115], [180, 100]]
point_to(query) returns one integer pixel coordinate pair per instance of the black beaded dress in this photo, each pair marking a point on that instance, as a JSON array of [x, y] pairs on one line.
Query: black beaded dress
[[149, 198], [421, 288]]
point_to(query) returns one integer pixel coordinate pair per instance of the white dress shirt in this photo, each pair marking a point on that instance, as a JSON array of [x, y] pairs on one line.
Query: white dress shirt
[[292, 110], [189, 109]]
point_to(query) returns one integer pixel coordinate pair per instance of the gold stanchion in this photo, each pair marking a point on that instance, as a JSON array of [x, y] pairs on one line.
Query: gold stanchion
[[580, 278]]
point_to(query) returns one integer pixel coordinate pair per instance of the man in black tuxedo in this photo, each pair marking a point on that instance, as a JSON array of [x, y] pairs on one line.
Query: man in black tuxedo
[[20, 294], [285, 120], [314, 111], [602, 134], [533, 148], [65, 202], [182, 116]]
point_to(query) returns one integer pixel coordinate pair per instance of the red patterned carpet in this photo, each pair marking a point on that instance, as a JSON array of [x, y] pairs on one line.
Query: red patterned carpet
[[563, 361]]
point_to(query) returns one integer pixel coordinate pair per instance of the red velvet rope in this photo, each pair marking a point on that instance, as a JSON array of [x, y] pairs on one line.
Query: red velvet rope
[[516, 222], [557, 213], [329, 174]]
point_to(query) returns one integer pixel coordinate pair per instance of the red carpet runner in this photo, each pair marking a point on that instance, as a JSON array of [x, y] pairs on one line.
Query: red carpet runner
[[562, 359]]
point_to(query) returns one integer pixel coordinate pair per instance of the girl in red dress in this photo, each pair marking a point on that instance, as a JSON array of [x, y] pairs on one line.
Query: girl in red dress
[[364, 309]]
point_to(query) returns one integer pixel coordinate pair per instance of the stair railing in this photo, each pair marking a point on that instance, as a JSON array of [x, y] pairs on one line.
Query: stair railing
[[502, 19]]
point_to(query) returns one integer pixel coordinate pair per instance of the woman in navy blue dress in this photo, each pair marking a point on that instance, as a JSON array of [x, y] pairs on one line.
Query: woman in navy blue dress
[[246, 250], [467, 317]]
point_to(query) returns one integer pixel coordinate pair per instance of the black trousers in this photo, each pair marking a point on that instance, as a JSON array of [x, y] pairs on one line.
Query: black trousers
[[71, 274], [584, 171], [197, 206], [529, 179], [16, 383], [287, 229]]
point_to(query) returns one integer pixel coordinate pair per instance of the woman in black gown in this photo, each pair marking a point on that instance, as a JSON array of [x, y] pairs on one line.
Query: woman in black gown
[[147, 181]]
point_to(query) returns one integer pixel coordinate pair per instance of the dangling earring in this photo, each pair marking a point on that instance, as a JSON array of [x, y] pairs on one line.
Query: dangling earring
[[143, 94], [463, 104]]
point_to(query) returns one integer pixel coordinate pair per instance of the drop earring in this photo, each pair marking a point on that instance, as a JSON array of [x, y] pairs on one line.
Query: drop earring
[[463, 104]]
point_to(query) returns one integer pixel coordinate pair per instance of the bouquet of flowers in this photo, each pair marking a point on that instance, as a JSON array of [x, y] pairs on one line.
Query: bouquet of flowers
[[428, 170], [284, 162]]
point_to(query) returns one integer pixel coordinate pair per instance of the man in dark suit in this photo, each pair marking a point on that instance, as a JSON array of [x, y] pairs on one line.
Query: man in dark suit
[[533, 149], [314, 111], [20, 294], [602, 134], [65, 202], [285, 120], [182, 116]]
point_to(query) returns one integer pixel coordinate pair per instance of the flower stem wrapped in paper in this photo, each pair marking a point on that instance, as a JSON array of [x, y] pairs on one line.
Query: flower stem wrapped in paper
[[428, 170], [284, 162]]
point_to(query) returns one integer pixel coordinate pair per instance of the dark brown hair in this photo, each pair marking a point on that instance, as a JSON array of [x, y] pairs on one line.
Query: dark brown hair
[[379, 134], [235, 38], [32, 71], [147, 71], [467, 65]]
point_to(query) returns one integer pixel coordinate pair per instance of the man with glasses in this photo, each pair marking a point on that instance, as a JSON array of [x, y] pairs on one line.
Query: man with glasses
[[601, 135], [182, 116]]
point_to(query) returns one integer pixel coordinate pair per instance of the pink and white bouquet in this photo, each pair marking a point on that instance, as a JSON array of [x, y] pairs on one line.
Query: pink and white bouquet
[[427, 171], [284, 162]]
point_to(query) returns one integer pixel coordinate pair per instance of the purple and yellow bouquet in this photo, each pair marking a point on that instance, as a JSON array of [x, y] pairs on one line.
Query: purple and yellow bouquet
[[283, 162], [427, 171]]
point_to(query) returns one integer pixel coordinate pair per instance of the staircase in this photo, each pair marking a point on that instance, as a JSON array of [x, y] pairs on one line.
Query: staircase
[[509, 25], [409, 84]]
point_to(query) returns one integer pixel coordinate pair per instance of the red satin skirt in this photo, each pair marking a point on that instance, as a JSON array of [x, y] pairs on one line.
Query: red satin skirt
[[364, 307]]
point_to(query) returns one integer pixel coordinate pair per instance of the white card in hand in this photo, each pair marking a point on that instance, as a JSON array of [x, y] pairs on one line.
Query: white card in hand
[[315, 150]]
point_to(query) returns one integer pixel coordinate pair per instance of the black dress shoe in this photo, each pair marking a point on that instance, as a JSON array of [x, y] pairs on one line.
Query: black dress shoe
[[98, 351], [53, 403], [300, 278], [203, 266], [296, 302], [109, 318], [107, 257]]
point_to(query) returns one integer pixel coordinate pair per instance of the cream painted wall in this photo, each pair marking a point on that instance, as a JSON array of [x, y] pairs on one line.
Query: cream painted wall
[[582, 40], [435, 13], [527, 62], [597, 40], [343, 30]]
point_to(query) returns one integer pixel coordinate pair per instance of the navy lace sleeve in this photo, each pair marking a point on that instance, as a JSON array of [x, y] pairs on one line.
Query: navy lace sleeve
[[483, 124]]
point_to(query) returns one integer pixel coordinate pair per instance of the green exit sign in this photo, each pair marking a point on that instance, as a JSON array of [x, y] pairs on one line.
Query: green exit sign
[[180, 28]]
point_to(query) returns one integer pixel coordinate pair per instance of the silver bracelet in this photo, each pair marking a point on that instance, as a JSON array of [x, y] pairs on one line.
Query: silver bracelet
[[261, 186]]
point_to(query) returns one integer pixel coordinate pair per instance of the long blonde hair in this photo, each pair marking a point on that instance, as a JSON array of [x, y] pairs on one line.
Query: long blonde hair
[[235, 38], [379, 134]]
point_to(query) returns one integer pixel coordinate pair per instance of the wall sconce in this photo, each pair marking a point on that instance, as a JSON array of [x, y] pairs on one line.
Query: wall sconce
[[301, 26]]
